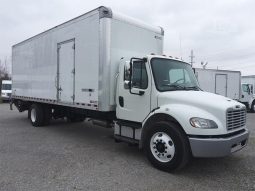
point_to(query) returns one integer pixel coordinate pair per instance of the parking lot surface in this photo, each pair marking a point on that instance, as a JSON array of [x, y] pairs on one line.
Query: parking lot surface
[[81, 156]]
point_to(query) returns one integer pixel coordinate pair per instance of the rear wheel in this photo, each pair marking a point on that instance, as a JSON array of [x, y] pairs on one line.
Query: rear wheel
[[36, 115], [166, 146]]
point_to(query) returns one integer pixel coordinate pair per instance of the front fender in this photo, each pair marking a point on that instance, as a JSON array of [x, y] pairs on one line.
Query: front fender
[[183, 113]]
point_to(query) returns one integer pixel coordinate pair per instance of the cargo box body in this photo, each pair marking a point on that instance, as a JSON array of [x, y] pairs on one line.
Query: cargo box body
[[223, 82], [75, 64]]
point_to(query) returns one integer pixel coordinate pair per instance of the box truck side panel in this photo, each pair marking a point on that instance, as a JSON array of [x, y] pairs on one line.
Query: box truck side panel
[[234, 85], [206, 80], [130, 40], [221, 84], [87, 62], [35, 62]]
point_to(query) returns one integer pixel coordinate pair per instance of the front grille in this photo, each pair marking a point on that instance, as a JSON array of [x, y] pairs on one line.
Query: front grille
[[236, 118], [9, 94]]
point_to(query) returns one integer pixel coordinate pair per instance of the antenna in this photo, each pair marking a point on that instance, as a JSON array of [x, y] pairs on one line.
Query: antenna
[[191, 58], [180, 38], [204, 64]]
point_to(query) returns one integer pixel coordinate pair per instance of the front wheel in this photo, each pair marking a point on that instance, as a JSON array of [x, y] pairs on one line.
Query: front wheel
[[253, 107], [167, 146]]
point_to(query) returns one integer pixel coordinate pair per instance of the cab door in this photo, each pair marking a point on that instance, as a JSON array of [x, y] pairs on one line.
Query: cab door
[[133, 91], [246, 93]]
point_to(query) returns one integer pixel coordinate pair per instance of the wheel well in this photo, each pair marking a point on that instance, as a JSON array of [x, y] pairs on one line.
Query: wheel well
[[153, 119]]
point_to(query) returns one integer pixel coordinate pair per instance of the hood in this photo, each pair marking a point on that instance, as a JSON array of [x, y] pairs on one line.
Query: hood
[[201, 99]]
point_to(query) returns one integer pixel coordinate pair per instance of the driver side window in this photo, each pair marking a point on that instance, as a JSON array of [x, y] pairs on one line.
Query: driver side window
[[139, 76]]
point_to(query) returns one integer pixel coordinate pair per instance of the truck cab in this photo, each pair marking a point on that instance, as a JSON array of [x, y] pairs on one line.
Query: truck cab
[[247, 97], [159, 104], [6, 90]]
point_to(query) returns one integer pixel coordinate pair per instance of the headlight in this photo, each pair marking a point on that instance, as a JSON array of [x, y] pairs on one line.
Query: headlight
[[202, 123]]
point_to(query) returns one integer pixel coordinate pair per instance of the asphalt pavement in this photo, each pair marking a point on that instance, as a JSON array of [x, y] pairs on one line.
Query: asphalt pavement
[[81, 156]]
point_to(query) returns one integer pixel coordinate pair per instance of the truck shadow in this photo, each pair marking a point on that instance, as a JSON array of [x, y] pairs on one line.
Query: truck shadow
[[87, 134]]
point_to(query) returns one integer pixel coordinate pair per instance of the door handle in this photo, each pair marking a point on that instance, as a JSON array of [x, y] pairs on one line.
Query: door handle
[[121, 101]]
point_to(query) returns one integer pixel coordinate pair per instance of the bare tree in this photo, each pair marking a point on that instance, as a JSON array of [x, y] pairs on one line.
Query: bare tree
[[4, 73]]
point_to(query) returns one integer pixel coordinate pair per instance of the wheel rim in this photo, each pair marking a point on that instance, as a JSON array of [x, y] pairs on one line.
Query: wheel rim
[[162, 147], [33, 115]]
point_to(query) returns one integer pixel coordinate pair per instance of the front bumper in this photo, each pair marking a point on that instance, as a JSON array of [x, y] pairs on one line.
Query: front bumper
[[5, 98], [218, 146]]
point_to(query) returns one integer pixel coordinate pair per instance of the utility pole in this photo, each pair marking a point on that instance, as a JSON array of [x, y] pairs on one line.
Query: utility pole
[[191, 58]]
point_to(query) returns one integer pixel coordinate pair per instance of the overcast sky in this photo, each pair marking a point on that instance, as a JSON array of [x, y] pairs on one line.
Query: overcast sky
[[221, 32]]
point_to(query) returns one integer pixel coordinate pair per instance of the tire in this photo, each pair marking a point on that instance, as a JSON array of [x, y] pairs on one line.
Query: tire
[[253, 107], [166, 146], [47, 114], [28, 113], [36, 115]]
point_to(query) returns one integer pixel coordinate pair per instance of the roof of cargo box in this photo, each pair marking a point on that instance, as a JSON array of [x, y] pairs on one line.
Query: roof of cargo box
[[105, 12], [249, 76], [215, 70]]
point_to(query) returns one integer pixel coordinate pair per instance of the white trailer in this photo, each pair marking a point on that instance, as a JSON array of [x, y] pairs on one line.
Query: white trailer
[[248, 94], [223, 82], [100, 65], [6, 90]]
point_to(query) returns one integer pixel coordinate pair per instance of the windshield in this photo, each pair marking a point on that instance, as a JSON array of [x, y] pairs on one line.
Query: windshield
[[170, 75], [6, 86], [246, 88]]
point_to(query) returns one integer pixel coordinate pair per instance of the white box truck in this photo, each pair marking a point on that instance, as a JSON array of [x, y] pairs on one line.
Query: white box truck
[[223, 82], [6, 90], [100, 66], [248, 94]]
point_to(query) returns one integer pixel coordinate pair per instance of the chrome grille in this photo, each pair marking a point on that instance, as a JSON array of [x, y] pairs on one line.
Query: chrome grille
[[236, 118]]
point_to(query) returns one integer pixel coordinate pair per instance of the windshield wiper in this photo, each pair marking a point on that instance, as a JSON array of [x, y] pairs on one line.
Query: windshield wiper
[[193, 88], [176, 86]]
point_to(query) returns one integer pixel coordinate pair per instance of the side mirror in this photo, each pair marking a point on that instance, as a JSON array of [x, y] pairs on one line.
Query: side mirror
[[249, 91], [127, 84], [136, 82]]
